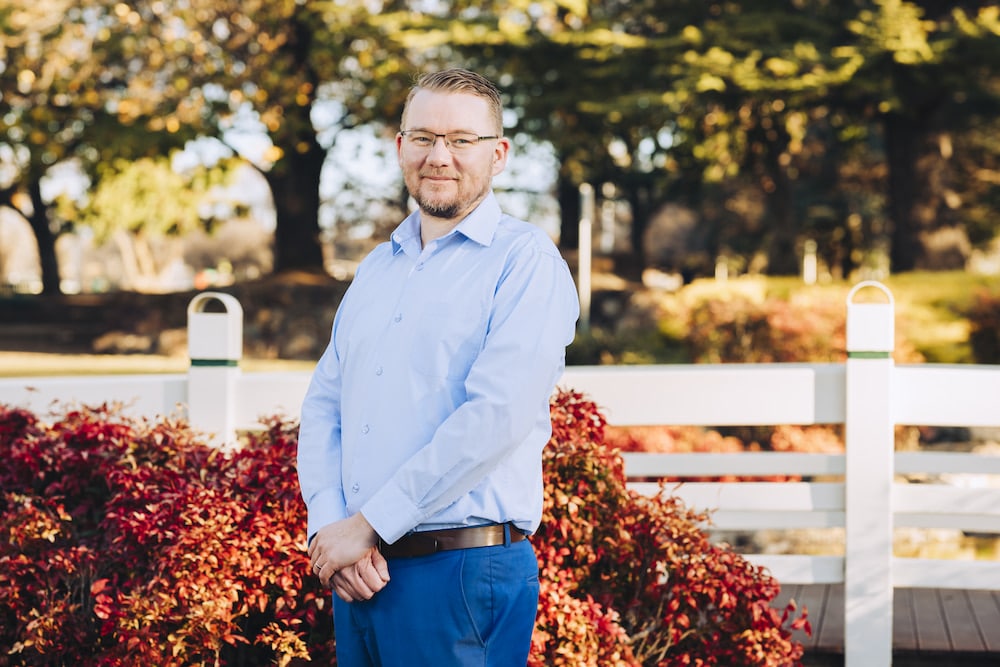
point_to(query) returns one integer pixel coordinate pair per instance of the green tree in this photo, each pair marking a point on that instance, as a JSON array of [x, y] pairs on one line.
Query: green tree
[[97, 80], [662, 97], [64, 72], [930, 74], [138, 202], [838, 117], [787, 99], [273, 68], [558, 67]]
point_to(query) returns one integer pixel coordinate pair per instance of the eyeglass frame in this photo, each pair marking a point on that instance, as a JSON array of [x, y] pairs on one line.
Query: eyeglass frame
[[444, 137]]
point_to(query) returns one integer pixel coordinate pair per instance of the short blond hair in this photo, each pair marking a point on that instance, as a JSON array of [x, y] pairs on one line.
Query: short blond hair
[[458, 80]]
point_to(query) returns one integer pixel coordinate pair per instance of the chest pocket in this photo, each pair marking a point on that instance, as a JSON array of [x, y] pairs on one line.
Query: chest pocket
[[446, 340]]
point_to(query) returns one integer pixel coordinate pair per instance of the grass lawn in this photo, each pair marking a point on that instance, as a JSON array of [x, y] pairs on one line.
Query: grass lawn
[[39, 364], [929, 308]]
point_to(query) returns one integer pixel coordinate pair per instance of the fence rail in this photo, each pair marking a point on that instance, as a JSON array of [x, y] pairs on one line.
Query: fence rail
[[862, 491]]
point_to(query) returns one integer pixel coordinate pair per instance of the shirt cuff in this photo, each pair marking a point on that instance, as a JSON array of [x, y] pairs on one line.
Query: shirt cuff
[[391, 513], [324, 508]]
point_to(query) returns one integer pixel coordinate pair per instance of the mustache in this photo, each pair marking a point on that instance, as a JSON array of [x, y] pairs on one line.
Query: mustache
[[438, 173]]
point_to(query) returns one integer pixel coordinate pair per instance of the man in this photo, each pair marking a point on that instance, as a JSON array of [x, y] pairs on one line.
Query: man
[[422, 429]]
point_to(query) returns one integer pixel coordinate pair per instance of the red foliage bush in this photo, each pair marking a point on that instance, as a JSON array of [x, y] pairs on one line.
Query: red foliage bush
[[124, 542], [738, 329], [678, 598]]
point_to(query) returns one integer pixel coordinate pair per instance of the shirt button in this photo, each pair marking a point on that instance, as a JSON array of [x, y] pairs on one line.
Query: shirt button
[[356, 487], [420, 266], [378, 370], [365, 429], [398, 318]]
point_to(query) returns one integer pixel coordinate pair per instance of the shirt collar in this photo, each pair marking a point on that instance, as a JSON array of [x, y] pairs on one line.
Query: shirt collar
[[406, 234], [479, 226]]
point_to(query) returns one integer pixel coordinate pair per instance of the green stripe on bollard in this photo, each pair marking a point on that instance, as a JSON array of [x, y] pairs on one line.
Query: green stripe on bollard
[[215, 362], [868, 355]]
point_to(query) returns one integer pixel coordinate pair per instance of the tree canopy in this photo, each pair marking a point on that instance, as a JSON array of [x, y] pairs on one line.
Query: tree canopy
[[862, 125]]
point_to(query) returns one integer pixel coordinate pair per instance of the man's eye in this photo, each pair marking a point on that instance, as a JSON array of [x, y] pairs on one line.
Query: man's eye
[[461, 141], [420, 139]]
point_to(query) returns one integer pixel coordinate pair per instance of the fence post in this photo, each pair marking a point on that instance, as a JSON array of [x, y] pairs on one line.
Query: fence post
[[215, 347], [585, 258], [868, 587]]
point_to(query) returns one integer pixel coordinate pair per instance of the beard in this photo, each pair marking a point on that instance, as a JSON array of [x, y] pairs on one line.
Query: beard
[[449, 202], [443, 210]]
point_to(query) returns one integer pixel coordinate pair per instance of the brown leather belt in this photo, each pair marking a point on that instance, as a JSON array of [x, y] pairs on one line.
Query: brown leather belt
[[425, 543]]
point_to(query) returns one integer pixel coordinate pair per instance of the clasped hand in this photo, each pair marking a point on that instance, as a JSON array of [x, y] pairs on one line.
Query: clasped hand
[[344, 557]]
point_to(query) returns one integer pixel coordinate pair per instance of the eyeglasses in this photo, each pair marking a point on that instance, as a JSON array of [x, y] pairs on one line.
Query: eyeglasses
[[453, 141]]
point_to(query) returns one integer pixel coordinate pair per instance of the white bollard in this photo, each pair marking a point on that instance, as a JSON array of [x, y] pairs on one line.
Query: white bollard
[[215, 347], [607, 236], [585, 254], [810, 263], [868, 586], [721, 269]]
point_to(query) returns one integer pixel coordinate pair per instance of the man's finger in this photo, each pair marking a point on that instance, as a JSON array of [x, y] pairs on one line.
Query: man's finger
[[380, 563], [371, 579], [359, 583], [341, 590], [342, 543], [370, 576], [325, 575], [351, 585]]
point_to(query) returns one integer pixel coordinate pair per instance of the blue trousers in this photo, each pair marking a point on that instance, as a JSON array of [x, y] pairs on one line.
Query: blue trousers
[[451, 609]]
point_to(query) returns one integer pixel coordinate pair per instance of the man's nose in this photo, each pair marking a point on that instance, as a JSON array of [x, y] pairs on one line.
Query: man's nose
[[439, 151]]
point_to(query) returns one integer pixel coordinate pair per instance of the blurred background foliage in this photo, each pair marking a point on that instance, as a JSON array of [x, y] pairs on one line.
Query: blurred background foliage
[[737, 129], [944, 317]]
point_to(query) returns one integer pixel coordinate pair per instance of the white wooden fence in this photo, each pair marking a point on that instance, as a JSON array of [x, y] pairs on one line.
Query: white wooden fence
[[868, 394]]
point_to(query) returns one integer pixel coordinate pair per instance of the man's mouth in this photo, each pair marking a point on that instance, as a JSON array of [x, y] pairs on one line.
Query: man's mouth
[[438, 177]]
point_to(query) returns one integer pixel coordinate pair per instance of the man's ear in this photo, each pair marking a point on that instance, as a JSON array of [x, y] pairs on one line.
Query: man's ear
[[500, 154]]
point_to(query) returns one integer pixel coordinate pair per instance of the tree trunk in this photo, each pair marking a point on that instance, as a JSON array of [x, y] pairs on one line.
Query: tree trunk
[[130, 264], [782, 255], [902, 145], [568, 195], [633, 263], [45, 239], [294, 186]]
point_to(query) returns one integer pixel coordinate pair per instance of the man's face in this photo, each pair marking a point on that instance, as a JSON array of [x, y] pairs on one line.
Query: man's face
[[448, 184]]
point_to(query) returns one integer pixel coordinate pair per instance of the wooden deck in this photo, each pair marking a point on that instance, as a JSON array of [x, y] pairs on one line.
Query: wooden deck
[[939, 627]]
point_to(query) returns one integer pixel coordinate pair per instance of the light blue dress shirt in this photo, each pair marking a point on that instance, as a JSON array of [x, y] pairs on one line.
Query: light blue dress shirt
[[430, 406]]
